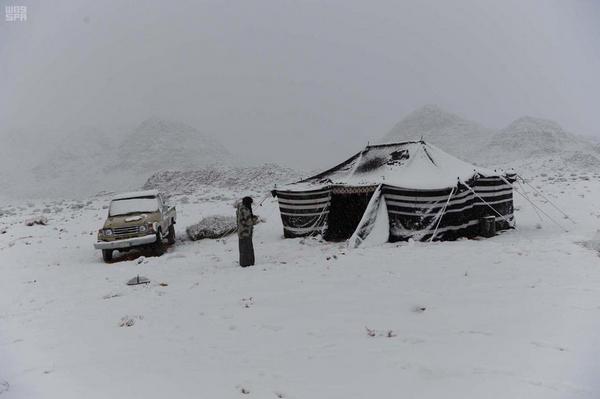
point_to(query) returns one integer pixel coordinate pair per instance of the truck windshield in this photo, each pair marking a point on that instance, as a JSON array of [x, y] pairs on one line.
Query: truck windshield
[[133, 205]]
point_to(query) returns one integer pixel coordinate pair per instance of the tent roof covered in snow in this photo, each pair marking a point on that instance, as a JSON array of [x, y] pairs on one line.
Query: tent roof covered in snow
[[425, 192], [414, 164]]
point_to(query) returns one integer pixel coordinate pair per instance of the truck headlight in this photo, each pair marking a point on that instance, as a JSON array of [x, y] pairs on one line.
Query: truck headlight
[[142, 229], [108, 232]]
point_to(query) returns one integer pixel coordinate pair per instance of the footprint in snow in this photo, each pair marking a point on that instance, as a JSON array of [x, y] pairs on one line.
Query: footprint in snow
[[476, 332], [413, 340], [109, 296], [548, 346]]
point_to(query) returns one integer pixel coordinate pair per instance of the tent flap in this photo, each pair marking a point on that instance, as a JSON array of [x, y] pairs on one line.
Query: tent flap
[[375, 215]]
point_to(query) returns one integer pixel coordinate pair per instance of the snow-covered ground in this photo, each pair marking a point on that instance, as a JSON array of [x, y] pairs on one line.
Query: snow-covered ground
[[515, 316]]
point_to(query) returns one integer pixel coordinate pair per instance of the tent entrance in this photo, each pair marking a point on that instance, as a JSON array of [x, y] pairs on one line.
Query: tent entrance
[[345, 212]]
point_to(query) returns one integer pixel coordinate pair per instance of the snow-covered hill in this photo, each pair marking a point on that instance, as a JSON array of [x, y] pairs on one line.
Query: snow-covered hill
[[448, 131], [158, 144], [526, 143], [77, 164], [89, 160], [254, 178], [535, 142], [20, 149], [529, 137]]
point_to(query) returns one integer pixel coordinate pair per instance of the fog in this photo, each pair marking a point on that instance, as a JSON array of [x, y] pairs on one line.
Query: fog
[[295, 82]]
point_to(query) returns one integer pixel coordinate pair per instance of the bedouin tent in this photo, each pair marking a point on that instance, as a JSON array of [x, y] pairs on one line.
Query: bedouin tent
[[428, 195]]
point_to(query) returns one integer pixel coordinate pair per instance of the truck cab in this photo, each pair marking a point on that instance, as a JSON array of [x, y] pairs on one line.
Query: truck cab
[[137, 219]]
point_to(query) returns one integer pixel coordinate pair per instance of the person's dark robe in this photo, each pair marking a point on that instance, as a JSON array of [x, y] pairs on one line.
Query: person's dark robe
[[246, 252], [246, 221]]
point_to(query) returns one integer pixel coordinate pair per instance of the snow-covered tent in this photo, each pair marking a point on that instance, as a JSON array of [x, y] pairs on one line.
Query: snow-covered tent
[[423, 191]]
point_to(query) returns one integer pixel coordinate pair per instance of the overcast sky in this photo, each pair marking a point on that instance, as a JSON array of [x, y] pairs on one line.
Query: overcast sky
[[295, 81]]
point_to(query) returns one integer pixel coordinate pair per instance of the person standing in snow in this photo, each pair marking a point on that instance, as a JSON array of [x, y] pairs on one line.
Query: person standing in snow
[[245, 226]]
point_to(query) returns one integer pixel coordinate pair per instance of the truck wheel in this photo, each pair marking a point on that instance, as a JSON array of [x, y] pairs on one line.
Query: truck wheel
[[171, 236], [158, 248], [107, 254]]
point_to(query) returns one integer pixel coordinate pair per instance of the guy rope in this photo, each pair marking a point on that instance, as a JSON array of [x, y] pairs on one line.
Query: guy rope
[[536, 207], [547, 199], [491, 207], [441, 215]]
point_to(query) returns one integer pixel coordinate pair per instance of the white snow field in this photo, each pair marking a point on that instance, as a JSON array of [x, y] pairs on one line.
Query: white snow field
[[514, 316]]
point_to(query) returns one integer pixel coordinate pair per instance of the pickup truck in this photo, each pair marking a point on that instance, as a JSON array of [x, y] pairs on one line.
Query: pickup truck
[[137, 219]]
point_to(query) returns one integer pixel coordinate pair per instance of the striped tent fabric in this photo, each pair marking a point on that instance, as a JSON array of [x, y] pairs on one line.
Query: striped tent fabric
[[415, 213], [428, 194], [496, 192], [305, 212]]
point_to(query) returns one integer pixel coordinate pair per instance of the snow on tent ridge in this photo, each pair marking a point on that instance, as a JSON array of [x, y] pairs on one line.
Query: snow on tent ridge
[[428, 195], [414, 164]]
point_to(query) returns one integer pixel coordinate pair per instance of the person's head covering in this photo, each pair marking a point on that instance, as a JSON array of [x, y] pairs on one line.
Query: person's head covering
[[247, 201]]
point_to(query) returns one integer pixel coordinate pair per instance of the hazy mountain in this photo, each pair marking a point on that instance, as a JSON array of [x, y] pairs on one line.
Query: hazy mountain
[[75, 165], [20, 150], [446, 130], [89, 160], [529, 138], [82, 152], [158, 144]]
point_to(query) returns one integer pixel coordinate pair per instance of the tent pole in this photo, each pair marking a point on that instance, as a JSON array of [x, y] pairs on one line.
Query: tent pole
[[264, 198], [442, 214]]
